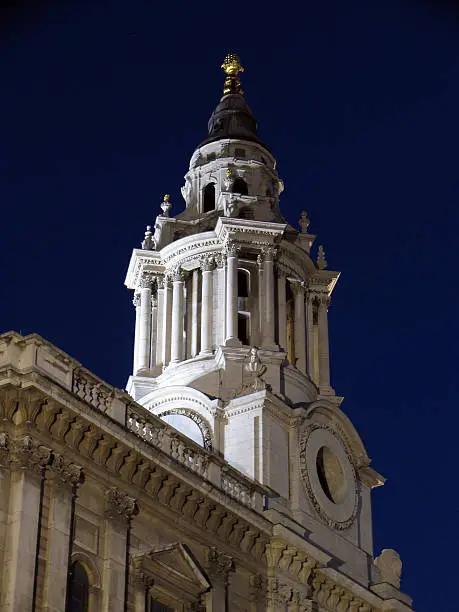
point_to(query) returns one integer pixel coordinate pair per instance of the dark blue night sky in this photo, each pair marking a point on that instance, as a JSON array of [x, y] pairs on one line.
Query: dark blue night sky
[[102, 104]]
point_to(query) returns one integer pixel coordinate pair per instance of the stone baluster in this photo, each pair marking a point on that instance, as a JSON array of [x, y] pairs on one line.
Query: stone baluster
[[282, 308], [194, 312], [268, 327], [177, 317], [300, 326], [324, 355], [231, 295], [120, 508], [136, 303], [167, 320], [145, 323], [207, 267]]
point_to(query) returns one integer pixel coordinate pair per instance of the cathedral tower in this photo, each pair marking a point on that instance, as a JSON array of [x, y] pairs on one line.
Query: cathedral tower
[[231, 339]]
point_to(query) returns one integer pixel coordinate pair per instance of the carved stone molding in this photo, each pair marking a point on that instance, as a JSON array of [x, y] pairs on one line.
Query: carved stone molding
[[207, 264], [218, 564], [68, 472], [119, 505], [232, 249], [27, 453], [136, 300], [146, 281]]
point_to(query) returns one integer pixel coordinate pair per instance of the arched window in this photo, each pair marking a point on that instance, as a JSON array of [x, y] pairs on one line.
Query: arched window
[[78, 589], [209, 197], [243, 328], [242, 283], [240, 186]]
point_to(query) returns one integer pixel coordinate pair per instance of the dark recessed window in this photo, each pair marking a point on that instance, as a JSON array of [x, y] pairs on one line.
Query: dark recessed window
[[78, 589], [239, 152], [240, 186], [243, 331], [211, 157], [209, 197], [156, 606], [242, 283]]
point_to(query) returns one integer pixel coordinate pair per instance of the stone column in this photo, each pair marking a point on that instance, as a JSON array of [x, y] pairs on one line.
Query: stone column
[[231, 295], [218, 567], [64, 478], [220, 323], [300, 326], [142, 583], [194, 312], [310, 336], [27, 461], [261, 293], [120, 508], [154, 329], [160, 322], [268, 328], [145, 323], [207, 267], [177, 317], [257, 593], [136, 302], [324, 356], [167, 321], [282, 309]]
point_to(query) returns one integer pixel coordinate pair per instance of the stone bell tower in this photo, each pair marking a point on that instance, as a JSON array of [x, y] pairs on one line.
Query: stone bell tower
[[231, 339]]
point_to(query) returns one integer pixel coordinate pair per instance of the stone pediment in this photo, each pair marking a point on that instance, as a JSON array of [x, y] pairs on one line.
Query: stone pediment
[[172, 569]]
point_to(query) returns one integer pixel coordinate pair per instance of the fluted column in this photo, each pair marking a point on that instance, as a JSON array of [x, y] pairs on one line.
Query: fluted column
[[310, 336], [324, 356], [194, 312], [145, 323], [167, 320], [136, 302], [177, 317], [282, 308], [207, 267], [300, 326], [220, 319], [268, 310], [231, 295]]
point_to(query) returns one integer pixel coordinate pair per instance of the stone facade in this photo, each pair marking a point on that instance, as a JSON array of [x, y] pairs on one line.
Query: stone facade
[[227, 478]]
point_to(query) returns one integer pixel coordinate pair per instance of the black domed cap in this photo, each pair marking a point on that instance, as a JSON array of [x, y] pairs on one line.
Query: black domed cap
[[232, 118]]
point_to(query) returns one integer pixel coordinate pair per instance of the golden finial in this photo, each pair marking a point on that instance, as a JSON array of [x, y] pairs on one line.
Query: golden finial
[[232, 67], [167, 197]]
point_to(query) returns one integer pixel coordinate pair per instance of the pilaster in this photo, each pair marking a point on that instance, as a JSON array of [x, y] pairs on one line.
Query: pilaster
[[218, 566], [120, 508]]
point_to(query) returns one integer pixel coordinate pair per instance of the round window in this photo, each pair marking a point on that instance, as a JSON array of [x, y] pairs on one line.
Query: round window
[[331, 475]]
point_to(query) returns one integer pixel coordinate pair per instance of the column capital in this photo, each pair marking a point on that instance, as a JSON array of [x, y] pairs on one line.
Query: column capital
[[269, 253], [297, 286], [178, 275], [136, 300], [207, 263], [120, 505], [220, 260], [146, 281], [68, 472], [232, 249], [218, 564], [26, 453]]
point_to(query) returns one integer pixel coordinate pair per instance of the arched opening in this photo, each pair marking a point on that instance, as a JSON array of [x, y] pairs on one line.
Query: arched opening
[[209, 197], [243, 283], [78, 598], [240, 186]]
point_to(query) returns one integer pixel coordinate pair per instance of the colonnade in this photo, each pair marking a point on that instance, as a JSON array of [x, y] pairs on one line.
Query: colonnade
[[164, 335]]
